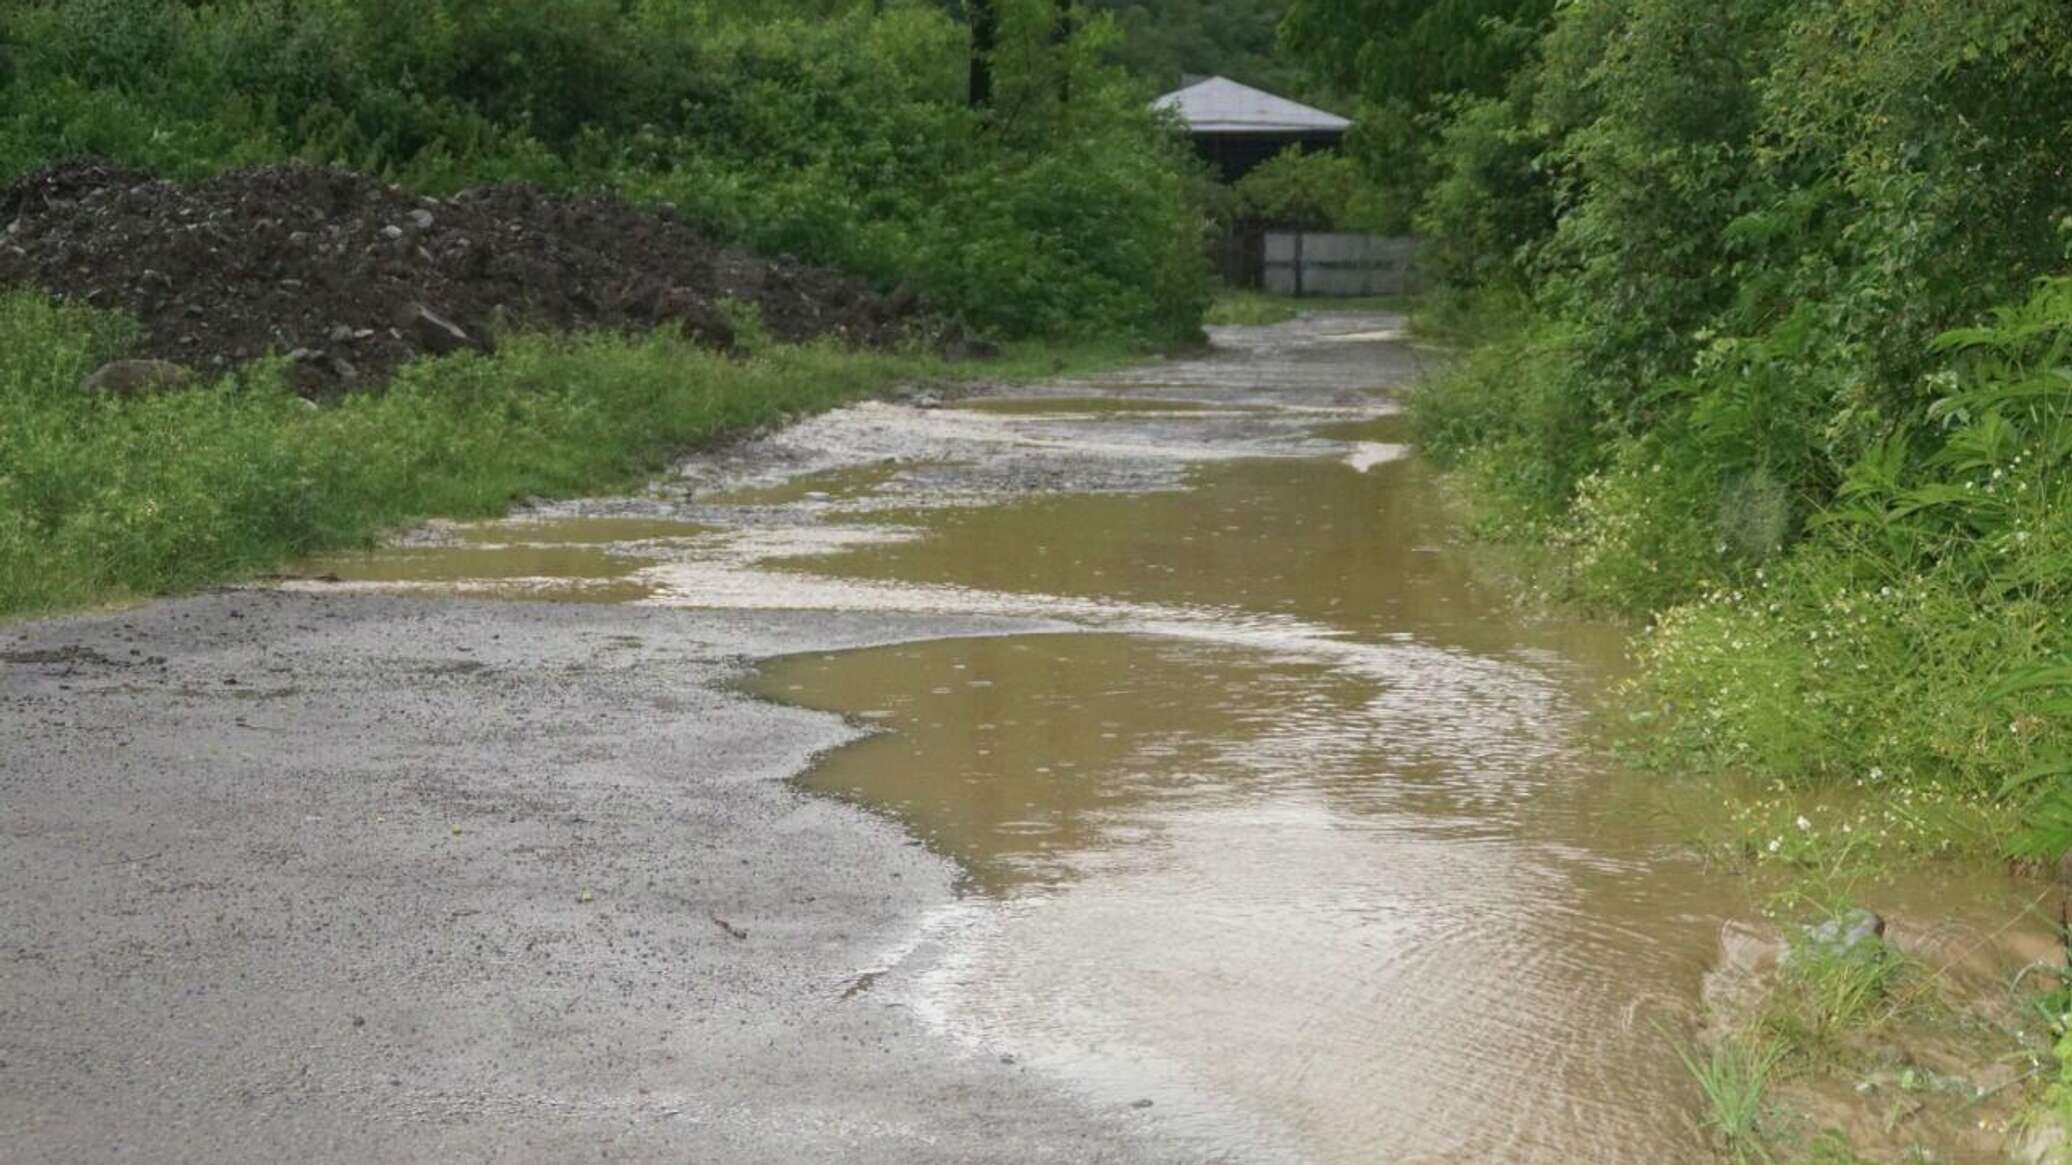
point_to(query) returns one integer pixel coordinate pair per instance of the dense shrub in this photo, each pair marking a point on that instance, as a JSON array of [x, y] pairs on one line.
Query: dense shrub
[[1742, 228], [1322, 190]]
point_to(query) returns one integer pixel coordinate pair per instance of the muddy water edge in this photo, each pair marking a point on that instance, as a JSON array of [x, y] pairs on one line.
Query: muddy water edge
[[1288, 829]]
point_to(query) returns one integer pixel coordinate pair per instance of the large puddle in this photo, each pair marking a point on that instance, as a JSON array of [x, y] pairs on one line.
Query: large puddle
[[1349, 895], [1293, 834]]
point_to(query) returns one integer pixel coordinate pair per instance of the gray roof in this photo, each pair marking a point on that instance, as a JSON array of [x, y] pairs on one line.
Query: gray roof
[[1221, 105]]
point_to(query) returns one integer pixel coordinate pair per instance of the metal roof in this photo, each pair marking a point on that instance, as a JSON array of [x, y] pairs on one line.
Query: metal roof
[[1220, 105]]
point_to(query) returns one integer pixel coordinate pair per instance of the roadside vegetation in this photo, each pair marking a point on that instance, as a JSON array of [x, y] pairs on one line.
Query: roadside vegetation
[[839, 134], [1772, 323], [102, 499], [1059, 219], [1255, 308]]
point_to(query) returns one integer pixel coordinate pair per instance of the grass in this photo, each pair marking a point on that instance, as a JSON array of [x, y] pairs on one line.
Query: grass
[[1734, 1076], [1237, 306], [103, 500]]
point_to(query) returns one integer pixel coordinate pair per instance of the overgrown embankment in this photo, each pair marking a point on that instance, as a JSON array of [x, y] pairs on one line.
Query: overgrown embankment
[[1790, 379], [104, 497], [1773, 352], [503, 242]]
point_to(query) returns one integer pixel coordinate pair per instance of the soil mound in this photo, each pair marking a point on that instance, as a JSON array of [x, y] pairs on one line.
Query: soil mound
[[353, 277]]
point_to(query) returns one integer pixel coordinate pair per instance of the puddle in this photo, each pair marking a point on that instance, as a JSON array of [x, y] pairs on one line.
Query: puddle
[[1311, 914], [1393, 429], [828, 485], [568, 573], [1364, 554], [1095, 406], [1314, 906], [580, 530]]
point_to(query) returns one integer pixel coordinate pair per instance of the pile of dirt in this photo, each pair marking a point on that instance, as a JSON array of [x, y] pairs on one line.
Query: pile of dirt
[[353, 277]]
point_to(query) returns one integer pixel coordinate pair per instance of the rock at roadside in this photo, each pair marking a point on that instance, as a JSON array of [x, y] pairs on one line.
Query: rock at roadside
[[1847, 932], [131, 377], [431, 331]]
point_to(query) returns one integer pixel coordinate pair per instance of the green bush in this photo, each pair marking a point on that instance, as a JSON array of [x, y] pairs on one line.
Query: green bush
[[1908, 633], [1322, 190], [1752, 396]]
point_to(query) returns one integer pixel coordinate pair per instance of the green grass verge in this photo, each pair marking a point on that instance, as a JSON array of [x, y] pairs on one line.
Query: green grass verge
[[1254, 308], [103, 500]]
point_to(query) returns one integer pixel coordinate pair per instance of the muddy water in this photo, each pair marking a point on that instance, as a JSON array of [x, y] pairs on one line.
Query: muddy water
[[579, 559], [1288, 826], [1358, 902]]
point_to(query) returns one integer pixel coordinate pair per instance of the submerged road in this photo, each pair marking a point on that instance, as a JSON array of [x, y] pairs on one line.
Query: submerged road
[[395, 868]]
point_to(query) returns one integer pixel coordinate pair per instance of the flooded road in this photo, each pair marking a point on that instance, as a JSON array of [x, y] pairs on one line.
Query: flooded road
[[1347, 898], [1284, 829]]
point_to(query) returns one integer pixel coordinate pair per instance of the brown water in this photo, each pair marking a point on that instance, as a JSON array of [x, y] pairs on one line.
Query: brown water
[[829, 485], [1363, 555], [1098, 406], [1300, 836], [588, 559], [1342, 887]]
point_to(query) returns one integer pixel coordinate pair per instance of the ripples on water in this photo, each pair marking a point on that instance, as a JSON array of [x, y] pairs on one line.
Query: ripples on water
[[1297, 845], [1326, 880]]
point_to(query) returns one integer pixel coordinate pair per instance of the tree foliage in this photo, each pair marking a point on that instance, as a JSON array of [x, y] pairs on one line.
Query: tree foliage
[[1161, 42], [1793, 367], [1410, 62]]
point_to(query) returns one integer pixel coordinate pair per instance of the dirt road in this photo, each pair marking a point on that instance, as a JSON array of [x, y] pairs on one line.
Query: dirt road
[[332, 875], [344, 877]]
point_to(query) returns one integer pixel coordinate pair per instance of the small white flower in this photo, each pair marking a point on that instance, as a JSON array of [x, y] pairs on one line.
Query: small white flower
[[1803, 824], [1775, 842]]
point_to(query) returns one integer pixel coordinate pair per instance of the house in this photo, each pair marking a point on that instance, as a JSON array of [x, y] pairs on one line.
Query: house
[[1236, 127]]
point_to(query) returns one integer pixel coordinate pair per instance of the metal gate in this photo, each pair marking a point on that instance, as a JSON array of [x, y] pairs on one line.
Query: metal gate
[[1326, 263]]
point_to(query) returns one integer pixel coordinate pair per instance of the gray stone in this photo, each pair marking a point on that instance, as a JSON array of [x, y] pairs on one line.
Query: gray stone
[[392, 231], [421, 219], [131, 377], [432, 331], [1848, 931]]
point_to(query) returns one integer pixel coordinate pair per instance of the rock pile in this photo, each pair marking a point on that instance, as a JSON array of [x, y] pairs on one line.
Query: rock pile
[[351, 277]]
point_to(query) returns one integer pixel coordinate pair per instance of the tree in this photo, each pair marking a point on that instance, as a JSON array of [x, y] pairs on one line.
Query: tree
[[1410, 61], [985, 40]]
